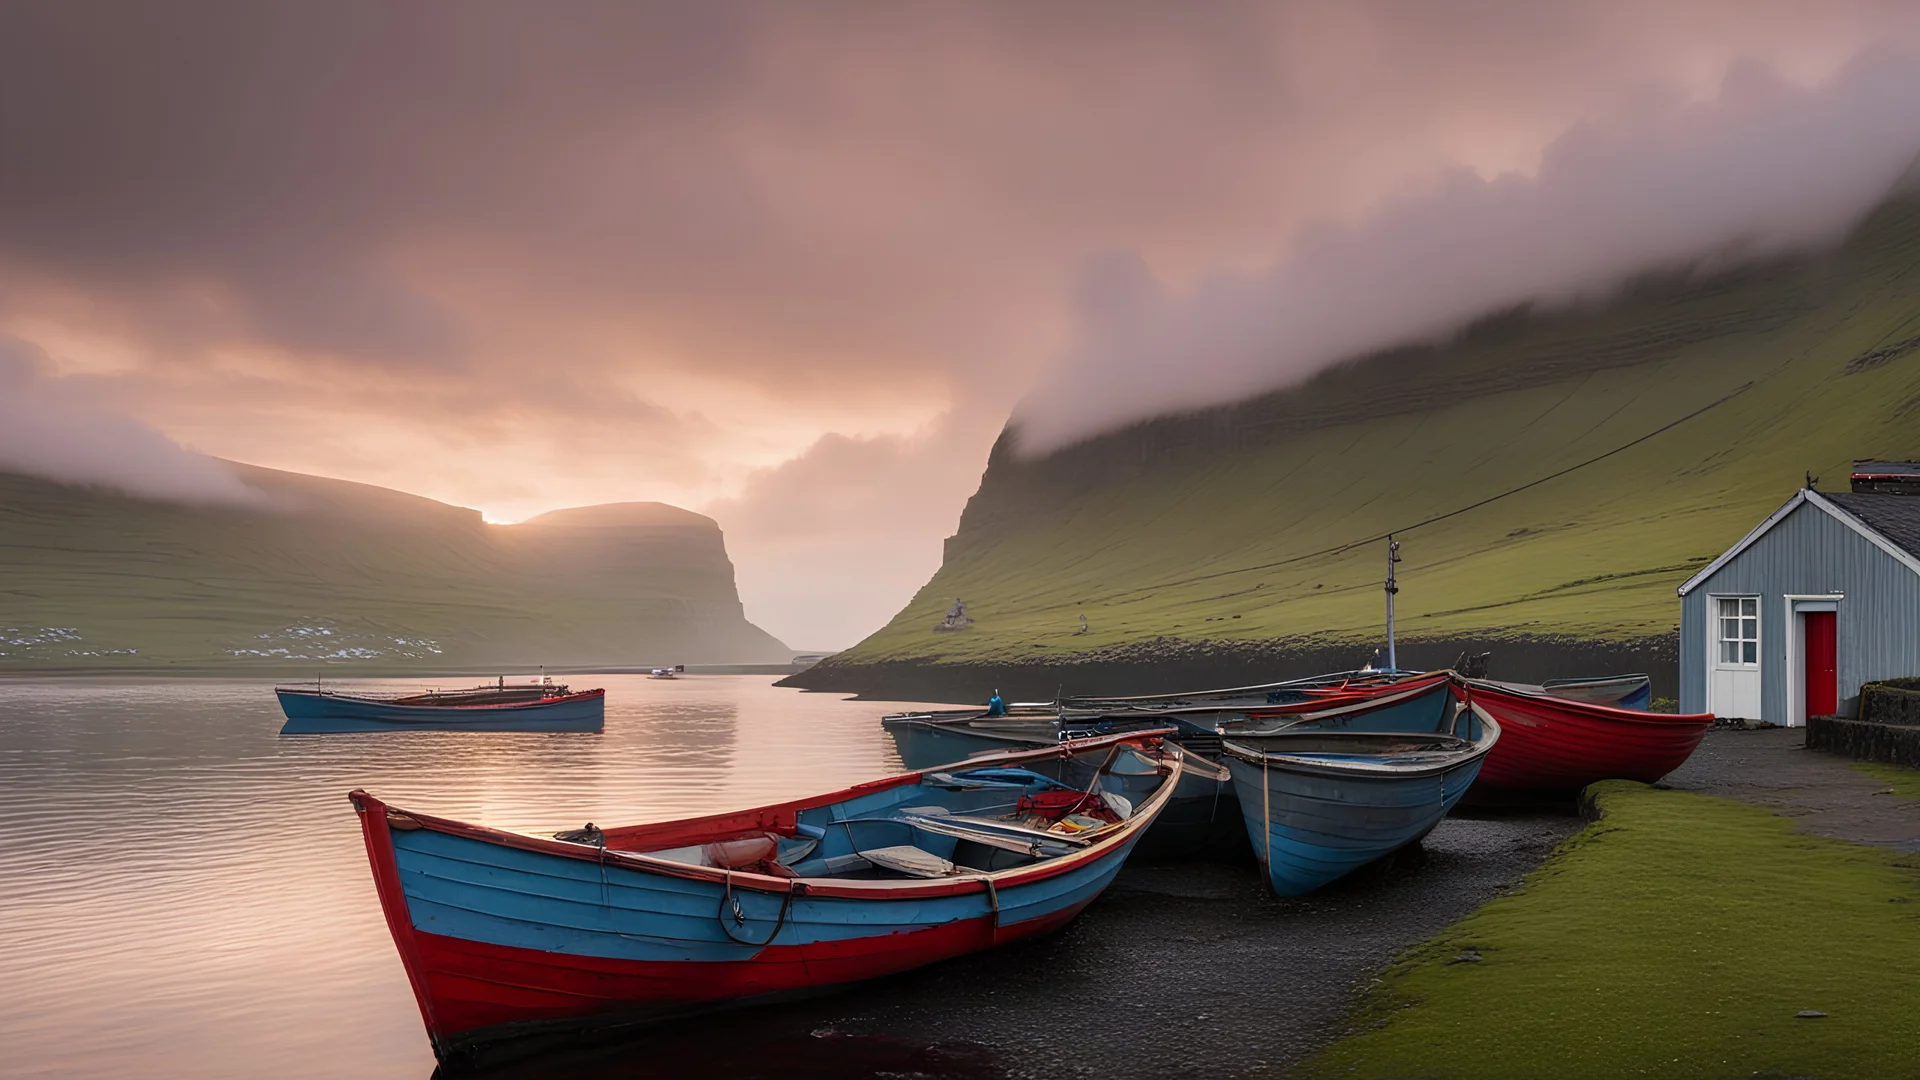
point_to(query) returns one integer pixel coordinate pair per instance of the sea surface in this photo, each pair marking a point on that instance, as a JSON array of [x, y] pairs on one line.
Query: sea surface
[[183, 891]]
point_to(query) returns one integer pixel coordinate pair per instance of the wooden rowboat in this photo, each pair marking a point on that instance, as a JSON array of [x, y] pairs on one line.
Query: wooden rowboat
[[1553, 744], [505, 935], [529, 707], [1328, 795]]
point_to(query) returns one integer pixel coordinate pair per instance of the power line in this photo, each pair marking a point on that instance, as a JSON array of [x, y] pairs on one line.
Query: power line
[[1377, 537]]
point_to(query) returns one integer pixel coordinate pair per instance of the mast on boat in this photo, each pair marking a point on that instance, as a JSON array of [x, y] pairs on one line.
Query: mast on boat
[[1393, 556]]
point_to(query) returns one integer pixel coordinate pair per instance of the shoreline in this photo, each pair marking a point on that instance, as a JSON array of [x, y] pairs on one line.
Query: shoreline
[[1166, 665], [296, 675]]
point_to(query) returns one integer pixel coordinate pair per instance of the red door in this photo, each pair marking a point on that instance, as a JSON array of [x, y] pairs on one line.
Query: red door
[[1822, 686]]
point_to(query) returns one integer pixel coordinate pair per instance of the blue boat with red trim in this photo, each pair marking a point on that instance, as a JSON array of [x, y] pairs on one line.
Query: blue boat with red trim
[[541, 706], [1326, 793], [506, 935]]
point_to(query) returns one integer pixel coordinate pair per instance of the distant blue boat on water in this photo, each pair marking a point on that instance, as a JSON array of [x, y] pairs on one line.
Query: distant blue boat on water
[[1326, 795], [541, 706]]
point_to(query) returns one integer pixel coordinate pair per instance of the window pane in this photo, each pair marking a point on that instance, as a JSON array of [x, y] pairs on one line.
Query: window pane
[[1750, 629], [1749, 607], [1729, 629], [1729, 608], [1729, 652], [1751, 654]]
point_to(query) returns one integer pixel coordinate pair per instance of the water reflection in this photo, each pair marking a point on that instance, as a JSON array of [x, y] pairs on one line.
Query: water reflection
[[183, 891]]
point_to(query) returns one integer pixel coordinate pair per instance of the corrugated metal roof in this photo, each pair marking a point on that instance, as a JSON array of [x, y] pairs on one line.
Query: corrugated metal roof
[[1886, 468], [1896, 517], [1891, 522]]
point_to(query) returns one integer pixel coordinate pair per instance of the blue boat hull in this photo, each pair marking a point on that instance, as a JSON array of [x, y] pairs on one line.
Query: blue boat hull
[[508, 935], [1309, 829], [929, 745], [309, 713]]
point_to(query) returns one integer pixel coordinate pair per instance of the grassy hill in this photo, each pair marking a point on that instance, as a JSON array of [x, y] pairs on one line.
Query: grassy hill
[[1235, 543], [350, 575]]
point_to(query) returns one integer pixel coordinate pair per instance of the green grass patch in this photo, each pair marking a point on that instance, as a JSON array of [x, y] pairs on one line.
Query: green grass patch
[[1676, 937], [1904, 781]]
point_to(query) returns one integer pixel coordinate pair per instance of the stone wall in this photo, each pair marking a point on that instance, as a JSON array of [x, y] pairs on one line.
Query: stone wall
[[1895, 744], [1891, 701]]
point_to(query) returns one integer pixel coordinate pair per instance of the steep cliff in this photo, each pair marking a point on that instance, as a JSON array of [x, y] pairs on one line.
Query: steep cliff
[[1621, 447], [350, 575]]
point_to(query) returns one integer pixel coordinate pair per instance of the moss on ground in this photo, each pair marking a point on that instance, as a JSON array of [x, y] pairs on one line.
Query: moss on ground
[[1904, 781], [1676, 937]]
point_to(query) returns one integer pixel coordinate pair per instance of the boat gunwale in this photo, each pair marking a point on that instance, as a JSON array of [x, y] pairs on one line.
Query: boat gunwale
[[1591, 709], [388, 703], [1292, 720], [1270, 711], [1453, 758], [841, 888], [1310, 682]]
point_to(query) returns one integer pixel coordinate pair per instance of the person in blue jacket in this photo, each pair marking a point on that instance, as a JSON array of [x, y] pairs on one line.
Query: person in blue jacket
[[995, 706]]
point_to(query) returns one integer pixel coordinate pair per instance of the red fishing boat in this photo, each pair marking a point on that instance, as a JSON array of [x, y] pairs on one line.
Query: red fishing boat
[[510, 935], [1553, 744]]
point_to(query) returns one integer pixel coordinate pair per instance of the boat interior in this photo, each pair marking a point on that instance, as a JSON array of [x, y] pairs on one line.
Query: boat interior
[[485, 695], [1433, 708], [951, 823]]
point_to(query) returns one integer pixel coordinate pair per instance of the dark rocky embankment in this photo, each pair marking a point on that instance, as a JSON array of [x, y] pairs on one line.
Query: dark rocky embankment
[[1172, 664]]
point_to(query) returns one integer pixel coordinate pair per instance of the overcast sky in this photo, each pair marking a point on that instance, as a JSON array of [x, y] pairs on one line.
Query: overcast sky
[[794, 265]]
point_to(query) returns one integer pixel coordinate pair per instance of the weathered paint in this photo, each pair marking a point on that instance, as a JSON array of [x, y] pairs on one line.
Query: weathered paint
[[505, 933], [1808, 553]]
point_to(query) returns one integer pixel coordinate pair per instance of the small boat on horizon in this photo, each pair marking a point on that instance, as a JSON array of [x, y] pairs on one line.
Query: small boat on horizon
[[1326, 793], [673, 672], [541, 706], [506, 935]]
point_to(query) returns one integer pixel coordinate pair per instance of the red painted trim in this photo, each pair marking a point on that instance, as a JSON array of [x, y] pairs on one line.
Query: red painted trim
[[725, 826], [467, 990], [484, 991], [584, 695], [393, 903]]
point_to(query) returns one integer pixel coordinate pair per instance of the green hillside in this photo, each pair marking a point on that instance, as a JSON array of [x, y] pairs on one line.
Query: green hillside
[[1226, 533], [354, 576]]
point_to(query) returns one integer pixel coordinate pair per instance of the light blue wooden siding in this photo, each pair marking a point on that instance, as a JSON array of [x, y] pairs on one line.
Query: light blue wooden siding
[[1878, 625]]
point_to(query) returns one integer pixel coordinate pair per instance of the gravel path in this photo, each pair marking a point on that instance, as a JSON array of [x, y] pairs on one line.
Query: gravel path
[[1187, 970], [1828, 796]]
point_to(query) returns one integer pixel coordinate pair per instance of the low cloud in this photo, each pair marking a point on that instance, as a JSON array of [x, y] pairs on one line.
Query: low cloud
[[1762, 167], [831, 543], [50, 432]]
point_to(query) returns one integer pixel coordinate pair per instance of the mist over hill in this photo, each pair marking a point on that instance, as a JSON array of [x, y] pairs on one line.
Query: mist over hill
[[1246, 542], [316, 572]]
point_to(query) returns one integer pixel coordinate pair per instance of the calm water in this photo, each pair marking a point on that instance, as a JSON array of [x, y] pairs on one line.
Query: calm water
[[183, 891]]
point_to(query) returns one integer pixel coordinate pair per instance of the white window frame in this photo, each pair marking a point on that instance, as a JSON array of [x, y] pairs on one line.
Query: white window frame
[[1714, 640]]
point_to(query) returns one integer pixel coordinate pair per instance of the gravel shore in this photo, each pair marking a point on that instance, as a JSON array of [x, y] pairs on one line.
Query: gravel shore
[[1180, 969]]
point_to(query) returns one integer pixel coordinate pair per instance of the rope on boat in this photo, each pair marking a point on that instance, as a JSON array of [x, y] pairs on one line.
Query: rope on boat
[[730, 906]]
